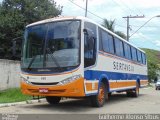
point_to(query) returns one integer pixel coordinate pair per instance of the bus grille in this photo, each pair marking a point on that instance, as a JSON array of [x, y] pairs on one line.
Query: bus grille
[[54, 83]]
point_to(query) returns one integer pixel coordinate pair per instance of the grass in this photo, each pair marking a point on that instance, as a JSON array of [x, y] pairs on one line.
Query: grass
[[13, 95], [152, 55]]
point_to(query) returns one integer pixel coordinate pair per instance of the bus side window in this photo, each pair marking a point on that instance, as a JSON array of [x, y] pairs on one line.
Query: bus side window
[[143, 58], [111, 44], [89, 44], [139, 56], [100, 39], [119, 47], [134, 54], [107, 42], [127, 51]]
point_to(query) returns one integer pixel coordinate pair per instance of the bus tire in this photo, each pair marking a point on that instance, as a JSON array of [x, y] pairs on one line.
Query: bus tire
[[135, 92], [99, 99], [129, 93], [109, 94], [53, 100]]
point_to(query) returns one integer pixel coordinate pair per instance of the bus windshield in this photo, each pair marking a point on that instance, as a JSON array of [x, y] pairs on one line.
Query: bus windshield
[[52, 45]]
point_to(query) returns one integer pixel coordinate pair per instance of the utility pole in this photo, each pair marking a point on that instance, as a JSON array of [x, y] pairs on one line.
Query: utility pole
[[86, 8], [128, 27]]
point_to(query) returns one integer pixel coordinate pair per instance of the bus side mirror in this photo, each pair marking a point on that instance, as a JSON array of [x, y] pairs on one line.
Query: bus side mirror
[[16, 48], [85, 31], [91, 42], [89, 39]]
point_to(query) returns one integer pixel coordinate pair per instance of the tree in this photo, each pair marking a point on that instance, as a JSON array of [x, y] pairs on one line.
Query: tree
[[153, 68], [16, 14], [121, 34], [110, 25]]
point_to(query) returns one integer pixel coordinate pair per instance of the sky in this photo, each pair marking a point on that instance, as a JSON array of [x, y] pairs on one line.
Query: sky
[[146, 37]]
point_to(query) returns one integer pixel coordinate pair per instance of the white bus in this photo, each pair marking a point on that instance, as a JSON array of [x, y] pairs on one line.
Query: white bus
[[75, 57]]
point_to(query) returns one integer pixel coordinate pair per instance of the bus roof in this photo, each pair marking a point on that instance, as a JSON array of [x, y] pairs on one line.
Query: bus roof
[[53, 19], [59, 18]]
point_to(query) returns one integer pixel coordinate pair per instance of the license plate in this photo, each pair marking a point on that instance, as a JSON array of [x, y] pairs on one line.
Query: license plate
[[43, 90]]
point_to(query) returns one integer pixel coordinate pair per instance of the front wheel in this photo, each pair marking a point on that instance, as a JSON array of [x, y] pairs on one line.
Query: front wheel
[[99, 99], [53, 100]]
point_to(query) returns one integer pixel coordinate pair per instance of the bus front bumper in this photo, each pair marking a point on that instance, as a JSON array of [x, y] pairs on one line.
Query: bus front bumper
[[73, 89]]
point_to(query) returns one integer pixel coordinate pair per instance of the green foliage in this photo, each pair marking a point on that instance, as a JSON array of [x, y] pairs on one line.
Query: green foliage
[[152, 71], [122, 35], [110, 25], [13, 95], [153, 55], [153, 59], [16, 14]]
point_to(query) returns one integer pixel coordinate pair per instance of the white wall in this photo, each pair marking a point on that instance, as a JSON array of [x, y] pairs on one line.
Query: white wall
[[9, 74]]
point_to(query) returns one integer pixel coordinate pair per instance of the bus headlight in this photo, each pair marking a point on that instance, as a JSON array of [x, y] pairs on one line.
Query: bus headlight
[[25, 80], [68, 80]]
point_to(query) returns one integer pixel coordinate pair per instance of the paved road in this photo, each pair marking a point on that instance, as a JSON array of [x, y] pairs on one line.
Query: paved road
[[147, 102]]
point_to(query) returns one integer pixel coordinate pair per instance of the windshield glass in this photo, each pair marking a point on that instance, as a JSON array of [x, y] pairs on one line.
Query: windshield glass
[[52, 45]]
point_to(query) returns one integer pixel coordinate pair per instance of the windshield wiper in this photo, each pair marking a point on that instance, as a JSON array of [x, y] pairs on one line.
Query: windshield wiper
[[53, 58], [31, 62]]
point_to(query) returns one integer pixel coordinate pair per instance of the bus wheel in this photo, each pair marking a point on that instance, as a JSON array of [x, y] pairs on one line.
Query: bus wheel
[[109, 94], [136, 92], [99, 99], [129, 93], [53, 100]]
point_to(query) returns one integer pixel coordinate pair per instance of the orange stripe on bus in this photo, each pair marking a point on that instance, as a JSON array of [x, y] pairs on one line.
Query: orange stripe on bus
[[122, 84], [90, 88]]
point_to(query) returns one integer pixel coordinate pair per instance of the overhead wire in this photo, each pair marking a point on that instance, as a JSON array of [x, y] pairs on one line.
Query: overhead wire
[[124, 10], [116, 24], [93, 13], [130, 8], [143, 36], [126, 7], [136, 7], [103, 18]]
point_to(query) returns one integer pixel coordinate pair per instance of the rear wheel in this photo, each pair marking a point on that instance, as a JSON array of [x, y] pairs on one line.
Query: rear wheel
[[53, 100], [99, 99], [133, 93], [136, 93], [109, 94], [129, 93]]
